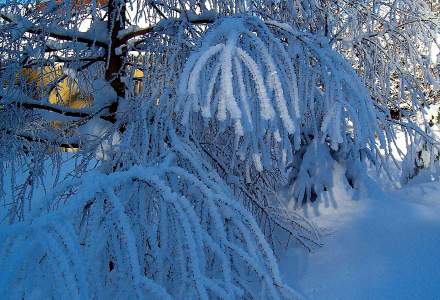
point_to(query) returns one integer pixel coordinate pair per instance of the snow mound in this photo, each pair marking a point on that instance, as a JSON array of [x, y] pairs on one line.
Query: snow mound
[[387, 248]]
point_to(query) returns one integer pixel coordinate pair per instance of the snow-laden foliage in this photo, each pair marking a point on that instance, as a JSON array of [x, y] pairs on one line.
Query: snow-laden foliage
[[147, 232], [278, 103], [392, 49], [392, 44]]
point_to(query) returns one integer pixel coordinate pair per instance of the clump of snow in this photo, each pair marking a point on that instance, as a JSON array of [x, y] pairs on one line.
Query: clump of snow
[[97, 130], [103, 93], [128, 30], [98, 30]]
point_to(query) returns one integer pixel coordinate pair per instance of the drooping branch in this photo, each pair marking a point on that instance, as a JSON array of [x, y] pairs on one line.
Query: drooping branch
[[73, 144]]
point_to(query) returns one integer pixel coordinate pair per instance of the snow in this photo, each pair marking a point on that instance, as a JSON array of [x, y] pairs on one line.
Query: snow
[[435, 50], [103, 93], [128, 30], [98, 31], [95, 129], [379, 245]]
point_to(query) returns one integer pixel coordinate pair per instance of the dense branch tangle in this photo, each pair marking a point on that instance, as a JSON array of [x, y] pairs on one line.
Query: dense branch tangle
[[172, 249]]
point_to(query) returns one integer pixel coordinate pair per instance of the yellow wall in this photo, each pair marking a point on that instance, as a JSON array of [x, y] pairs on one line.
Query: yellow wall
[[66, 91]]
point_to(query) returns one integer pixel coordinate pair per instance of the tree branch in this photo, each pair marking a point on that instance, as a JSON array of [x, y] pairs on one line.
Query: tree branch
[[37, 139], [196, 20], [57, 33]]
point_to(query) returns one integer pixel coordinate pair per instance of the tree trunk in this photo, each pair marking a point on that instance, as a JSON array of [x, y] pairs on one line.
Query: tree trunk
[[115, 70]]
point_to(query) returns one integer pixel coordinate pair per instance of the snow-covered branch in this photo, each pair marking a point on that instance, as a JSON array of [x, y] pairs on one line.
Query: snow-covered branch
[[56, 32]]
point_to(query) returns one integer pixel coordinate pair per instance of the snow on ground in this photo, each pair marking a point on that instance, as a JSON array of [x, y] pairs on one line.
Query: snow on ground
[[380, 246]]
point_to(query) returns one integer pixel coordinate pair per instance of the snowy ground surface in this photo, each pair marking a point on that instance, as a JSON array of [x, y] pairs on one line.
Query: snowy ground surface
[[384, 245]]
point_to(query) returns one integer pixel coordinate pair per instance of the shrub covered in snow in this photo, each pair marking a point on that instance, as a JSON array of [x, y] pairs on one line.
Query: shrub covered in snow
[[300, 107], [197, 113], [423, 151]]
